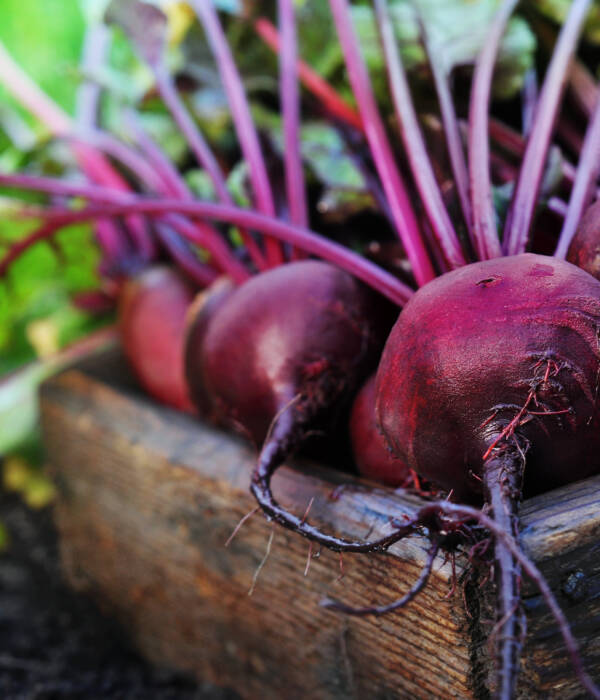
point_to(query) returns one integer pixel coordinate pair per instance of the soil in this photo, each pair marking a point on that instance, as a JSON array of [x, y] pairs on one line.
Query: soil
[[55, 643]]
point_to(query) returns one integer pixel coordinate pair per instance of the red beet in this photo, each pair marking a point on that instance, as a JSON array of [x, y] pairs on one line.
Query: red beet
[[584, 250], [372, 455], [490, 376], [152, 312], [282, 351]]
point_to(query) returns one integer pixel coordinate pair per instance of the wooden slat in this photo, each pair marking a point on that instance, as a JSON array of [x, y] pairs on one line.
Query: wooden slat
[[148, 498]]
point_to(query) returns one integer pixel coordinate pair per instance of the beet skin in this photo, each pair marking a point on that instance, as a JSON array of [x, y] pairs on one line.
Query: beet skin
[[152, 311]]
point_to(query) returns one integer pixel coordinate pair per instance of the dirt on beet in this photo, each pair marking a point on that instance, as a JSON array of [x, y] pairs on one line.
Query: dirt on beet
[[56, 644]]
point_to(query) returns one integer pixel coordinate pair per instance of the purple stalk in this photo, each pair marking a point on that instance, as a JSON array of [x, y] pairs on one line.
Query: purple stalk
[[521, 210], [529, 100], [180, 251], [290, 107], [195, 140], [420, 163], [454, 141], [202, 152], [94, 164], [391, 180], [583, 88], [200, 233], [582, 193], [177, 187], [312, 243], [173, 183], [27, 93], [88, 95], [240, 112], [487, 244], [95, 44]]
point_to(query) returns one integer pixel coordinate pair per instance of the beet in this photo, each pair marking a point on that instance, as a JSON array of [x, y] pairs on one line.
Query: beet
[[584, 250], [488, 379], [152, 310], [283, 350], [372, 455]]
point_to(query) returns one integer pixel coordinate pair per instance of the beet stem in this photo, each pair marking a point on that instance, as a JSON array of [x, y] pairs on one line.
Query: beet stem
[[487, 244], [330, 100], [405, 220], [529, 96], [451, 126], [585, 183], [416, 588], [521, 210], [290, 108], [240, 113], [502, 477], [381, 281], [414, 145]]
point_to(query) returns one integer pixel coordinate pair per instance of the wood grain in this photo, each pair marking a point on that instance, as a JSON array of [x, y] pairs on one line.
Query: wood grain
[[148, 497]]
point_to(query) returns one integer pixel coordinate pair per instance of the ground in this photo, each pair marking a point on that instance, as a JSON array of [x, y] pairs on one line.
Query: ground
[[56, 644]]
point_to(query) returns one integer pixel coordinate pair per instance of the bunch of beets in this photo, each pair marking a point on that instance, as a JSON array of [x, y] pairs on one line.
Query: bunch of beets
[[483, 381]]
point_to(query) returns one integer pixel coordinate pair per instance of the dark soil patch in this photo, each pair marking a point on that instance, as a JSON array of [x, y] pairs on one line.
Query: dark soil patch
[[55, 643]]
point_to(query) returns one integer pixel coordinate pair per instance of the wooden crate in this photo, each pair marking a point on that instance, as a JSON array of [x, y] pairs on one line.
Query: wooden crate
[[147, 499]]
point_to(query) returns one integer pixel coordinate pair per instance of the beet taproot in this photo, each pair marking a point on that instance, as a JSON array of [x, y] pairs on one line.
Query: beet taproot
[[283, 351]]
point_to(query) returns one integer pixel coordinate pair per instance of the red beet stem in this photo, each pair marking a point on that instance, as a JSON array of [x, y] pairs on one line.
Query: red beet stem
[[585, 183], [312, 243], [93, 163], [200, 233], [451, 126], [420, 163], [521, 210], [487, 244], [391, 180], [529, 98], [240, 112], [290, 108], [330, 100]]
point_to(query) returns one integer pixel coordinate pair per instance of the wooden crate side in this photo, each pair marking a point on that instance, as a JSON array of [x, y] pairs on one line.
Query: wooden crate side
[[148, 498]]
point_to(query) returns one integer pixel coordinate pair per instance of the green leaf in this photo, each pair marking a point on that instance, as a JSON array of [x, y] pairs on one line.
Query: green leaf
[[45, 38]]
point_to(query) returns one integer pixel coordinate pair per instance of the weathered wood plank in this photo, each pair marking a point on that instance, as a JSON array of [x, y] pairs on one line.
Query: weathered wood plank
[[148, 498]]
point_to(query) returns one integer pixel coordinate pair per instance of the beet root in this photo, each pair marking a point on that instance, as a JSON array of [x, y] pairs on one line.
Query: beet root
[[488, 379], [584, 250], [282, 353], [152, 311], [372, 455]]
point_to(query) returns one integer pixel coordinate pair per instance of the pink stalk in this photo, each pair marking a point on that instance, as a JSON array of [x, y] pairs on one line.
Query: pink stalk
[[521, 210], [94, 48], [330, 100], [451, 125], [487, 244], [582, 193], [583, 88], [179, 250], [172, 181], [391, 180], [199, 233], [94, 164], [177, 187], [529, 98], [312, 243], [290, 107], [420, 163], [240, 112]]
